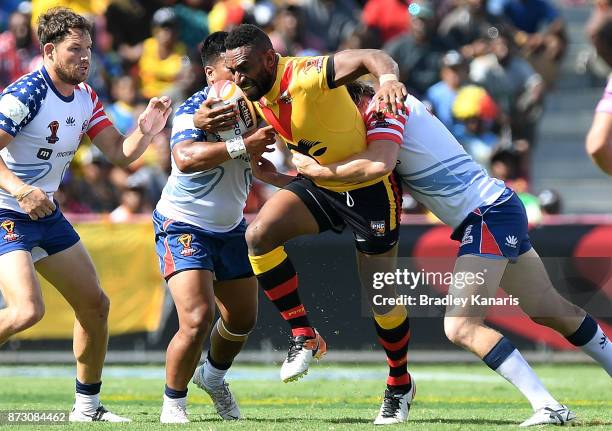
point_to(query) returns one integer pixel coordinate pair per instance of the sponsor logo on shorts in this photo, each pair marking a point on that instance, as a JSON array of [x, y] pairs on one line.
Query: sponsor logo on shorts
[[9, 227], [511, 241], [467, 236], [185, 240], [378, 227]]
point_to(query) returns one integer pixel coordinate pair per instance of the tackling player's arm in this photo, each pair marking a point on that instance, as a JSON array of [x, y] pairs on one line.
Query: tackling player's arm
[[122, 150], [264, 170], [31, 199], [377, 160], [384, 136], [350, 64], [195, 156], [599, 141]]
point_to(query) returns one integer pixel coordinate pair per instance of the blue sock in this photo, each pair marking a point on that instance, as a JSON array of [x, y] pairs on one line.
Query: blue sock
[[585, 332], [88, 388], [174, 394], [499, 353]]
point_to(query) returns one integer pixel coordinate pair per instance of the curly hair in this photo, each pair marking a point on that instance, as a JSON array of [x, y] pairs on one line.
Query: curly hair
[[56, 23], [212, 47], [248, 35], [358, 89]]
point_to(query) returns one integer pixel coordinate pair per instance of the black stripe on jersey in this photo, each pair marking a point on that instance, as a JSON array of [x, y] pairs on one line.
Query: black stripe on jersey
[[330, 72]]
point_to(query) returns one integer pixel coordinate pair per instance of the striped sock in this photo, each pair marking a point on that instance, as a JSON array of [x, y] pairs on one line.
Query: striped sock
[[393, 331], [276, 275]]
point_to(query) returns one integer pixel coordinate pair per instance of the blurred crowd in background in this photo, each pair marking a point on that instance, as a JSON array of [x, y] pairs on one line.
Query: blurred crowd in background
[[484, 67]]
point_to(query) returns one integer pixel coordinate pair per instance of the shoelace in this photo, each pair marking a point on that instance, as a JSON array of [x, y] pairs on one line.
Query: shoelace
[[391, 404], [295, 346], [222, 397], [97, 416]]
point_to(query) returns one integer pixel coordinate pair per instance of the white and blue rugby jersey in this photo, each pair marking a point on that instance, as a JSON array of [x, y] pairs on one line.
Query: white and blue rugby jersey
[[47, 128], [434, 167], [212, 199]]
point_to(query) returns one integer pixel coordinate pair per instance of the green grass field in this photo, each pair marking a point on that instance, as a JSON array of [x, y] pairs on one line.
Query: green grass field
[[332, 397]]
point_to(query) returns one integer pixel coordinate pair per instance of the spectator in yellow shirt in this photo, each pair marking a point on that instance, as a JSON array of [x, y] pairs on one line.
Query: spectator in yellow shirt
[[162, 62]]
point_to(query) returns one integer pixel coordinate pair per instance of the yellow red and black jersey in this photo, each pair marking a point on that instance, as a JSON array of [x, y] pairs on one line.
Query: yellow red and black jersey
[[313, 116]]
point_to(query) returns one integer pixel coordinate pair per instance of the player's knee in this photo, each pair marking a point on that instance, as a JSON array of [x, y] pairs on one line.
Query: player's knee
[[28, 315], [259, 238], [242, 324], [196, 323], [458, 331]]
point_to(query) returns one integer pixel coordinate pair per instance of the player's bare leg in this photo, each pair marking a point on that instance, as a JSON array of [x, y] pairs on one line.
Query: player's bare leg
[[464, 326], [528, 281], [73, 274], [193, 295], [283, 217], [393, 329], [21, 291], [237, 303]]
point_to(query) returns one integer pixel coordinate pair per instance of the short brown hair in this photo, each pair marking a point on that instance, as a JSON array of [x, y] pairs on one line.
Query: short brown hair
[[56, 23]]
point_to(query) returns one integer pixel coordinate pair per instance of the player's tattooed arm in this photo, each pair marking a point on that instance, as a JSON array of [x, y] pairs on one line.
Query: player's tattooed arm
[[31, 199], [350, 64], [377, 160], [195, 156], [122, 150], [599, 141]]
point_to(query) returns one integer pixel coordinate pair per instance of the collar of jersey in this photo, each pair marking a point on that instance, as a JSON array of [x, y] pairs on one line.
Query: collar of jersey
[[273, 94], [57, 93]]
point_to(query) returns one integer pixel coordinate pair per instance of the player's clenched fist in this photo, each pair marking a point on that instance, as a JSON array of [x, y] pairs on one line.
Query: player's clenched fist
[[258, 141], [154, 118], [34, 202]]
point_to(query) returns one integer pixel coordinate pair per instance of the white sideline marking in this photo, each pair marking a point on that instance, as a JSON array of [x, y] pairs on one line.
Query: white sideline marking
[[241, 373]]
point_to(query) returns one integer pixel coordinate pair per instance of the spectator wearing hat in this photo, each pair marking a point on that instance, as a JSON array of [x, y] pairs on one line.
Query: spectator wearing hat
[[161, 64], [418, 53], [475, 111], [441, 96]]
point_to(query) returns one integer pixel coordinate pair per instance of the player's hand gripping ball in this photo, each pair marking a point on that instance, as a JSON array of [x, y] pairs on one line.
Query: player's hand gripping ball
[[230, 93]]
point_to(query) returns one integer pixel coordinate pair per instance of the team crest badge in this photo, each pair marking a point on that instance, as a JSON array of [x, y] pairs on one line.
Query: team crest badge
[[185, 240], [9, 227], [53, 127], [378, 227]]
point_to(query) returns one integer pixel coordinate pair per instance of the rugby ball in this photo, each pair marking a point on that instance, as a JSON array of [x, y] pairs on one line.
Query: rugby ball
[[229, 93]]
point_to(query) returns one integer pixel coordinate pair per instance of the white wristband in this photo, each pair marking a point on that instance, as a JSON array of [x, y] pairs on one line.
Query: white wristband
[[235, 147], [387, 77]]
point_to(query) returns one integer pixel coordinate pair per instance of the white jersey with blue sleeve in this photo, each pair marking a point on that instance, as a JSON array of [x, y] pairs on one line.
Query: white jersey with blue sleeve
[[433, 166], [47, 128], [213, 199]]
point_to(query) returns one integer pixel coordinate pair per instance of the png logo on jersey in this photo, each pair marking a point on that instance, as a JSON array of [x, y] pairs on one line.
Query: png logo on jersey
[[54, 127], [9, 227], [185, 240]]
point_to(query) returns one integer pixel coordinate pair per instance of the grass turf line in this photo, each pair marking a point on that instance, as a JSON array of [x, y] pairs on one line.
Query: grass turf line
[[485, 404]]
